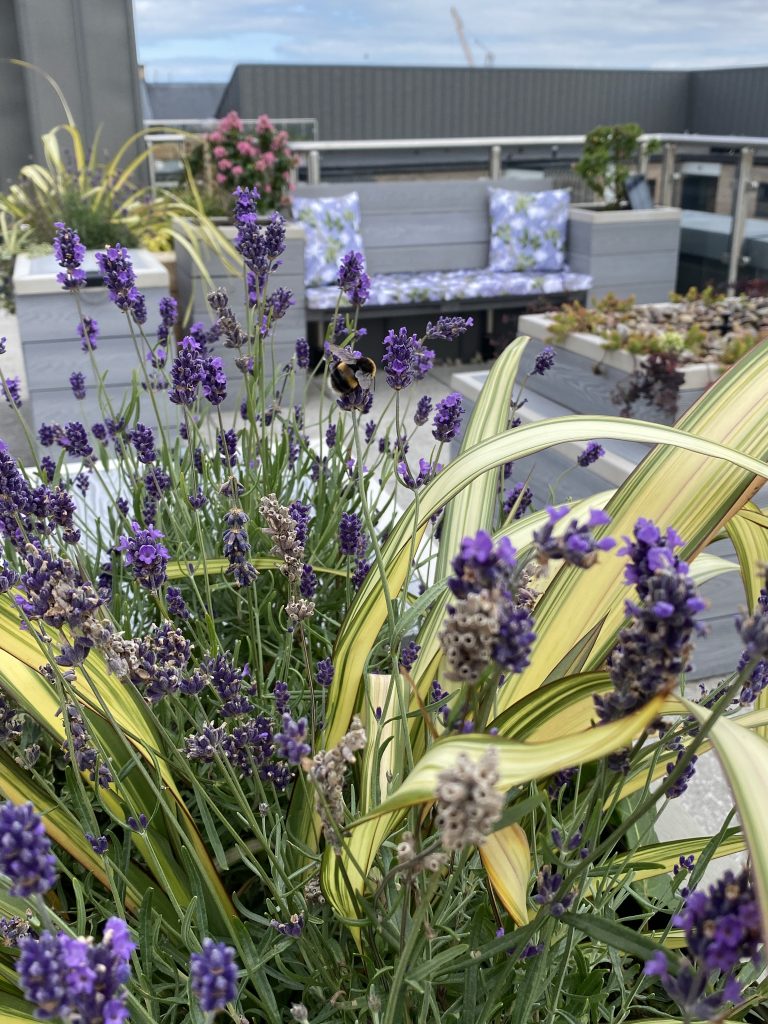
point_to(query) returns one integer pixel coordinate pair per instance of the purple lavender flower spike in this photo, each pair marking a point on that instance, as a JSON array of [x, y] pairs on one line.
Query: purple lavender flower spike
[[398, 358], [213, 975], [353, 280], [143, 441], [722, 929], [423, 360], [74, 438], [448, 327], [25, 850], [309, 581], [70, 253], [302, 353], [426, 472], [169, 314], [88, 329], [325, 673], [408, 654], [423, 410], [654, 649], [214, 380], [290, 741], [120, 280], [292, 928], [576, 545], [520, 496], [447, 421], [544, 361], [12, 392], [591, 453], [351, 538], [186, 373], [77, 383], [147, 558]]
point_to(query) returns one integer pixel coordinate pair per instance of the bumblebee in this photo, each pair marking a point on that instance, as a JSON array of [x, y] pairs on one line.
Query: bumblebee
[[351, 371]]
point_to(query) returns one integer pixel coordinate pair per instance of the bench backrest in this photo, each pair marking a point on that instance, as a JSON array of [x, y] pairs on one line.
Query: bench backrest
[[423, 225]]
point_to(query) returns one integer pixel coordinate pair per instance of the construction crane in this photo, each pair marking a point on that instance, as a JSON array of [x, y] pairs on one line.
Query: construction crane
[[462, 37], [488, 58]]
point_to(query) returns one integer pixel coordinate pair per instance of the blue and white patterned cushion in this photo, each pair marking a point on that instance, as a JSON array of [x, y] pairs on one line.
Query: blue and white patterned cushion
[[528, 229], [454, 285], [331, 228]]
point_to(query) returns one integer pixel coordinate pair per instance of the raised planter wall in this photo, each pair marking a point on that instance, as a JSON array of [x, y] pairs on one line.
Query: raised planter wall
[[628, 252], [50, 344], [586, 373]]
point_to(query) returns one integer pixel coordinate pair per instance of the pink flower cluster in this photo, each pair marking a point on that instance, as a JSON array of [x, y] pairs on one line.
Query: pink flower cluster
[[261, 160]]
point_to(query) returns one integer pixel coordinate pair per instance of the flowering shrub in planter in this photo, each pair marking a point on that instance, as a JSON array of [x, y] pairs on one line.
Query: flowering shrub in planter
[[235, 158], [299, 730]]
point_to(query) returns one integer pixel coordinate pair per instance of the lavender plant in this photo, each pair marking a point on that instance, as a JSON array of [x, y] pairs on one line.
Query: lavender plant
[[275, 739]]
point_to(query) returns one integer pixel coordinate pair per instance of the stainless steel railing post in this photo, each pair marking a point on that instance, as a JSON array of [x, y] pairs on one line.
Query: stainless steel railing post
[[739, 215], [495, 163], [667, 190], [313, 167]]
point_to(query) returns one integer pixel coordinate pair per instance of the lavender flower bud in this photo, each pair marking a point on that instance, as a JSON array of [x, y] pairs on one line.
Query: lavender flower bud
[[447, 419], [544, 361], [448, 327], [302, 353], [423, 409], [591, 453], [213, 975]]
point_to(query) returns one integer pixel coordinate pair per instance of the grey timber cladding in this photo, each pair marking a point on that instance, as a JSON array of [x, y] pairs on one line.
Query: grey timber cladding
[[179, 100], [15, 131], [88, 47], [408, 102], [731, 101]]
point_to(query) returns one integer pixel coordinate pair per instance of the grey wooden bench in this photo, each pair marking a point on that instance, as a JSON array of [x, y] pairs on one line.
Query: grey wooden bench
[[420, 226]]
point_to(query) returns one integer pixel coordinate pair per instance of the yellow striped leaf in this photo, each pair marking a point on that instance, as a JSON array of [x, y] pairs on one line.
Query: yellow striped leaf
[[744, 757], [506, 856]]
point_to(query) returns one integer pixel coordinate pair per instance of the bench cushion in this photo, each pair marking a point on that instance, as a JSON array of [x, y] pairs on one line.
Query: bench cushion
[[528, 229], [454, 285], [332, 228]]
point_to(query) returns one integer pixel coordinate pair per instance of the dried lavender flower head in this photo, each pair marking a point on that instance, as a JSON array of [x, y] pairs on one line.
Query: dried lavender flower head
[[468, 805], [327, 771]]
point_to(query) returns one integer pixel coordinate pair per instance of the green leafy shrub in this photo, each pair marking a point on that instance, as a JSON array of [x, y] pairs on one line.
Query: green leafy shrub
[[610, 151]]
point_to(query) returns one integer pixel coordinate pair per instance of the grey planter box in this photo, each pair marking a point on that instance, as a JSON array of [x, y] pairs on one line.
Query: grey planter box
[[194, 289], [628, 252], [50, 344], [586, 373]]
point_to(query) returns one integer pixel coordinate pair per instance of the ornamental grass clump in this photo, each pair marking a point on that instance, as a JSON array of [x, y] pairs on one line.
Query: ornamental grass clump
[[301, 721]]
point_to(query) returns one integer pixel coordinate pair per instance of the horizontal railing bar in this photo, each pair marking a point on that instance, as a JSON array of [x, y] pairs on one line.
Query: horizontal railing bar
[[510, 141], [467, 142]]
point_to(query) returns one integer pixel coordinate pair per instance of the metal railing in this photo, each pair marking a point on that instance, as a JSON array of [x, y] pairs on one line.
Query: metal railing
[[545, 151], [673, 147], [298, 128]]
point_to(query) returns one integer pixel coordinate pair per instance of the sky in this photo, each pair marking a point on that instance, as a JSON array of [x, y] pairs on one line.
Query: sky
[[202, 40]]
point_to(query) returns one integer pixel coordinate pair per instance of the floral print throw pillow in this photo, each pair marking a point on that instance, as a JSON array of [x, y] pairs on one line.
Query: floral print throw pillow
[[528, 229], [332, 228]]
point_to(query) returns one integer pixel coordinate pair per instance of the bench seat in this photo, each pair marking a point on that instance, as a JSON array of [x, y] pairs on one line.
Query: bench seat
[[453, 285]]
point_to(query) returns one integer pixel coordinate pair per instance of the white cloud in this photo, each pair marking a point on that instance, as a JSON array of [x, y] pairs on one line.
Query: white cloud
[[200, 39]]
